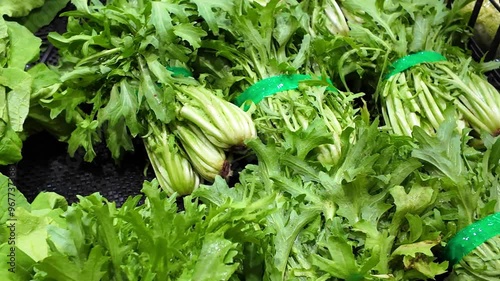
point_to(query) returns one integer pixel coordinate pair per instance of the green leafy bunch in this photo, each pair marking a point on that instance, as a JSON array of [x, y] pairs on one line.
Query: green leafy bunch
[[389, 34], [384, 211], [94, 239], [18, 47], [113, 67], [32, 14], [263, 42]]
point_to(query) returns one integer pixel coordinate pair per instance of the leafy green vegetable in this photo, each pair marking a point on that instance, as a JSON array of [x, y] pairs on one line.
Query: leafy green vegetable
[[224, 124], [444, 154], [46, 83], [354, 199], [95, 240], [269, 40], [471, 187], [170, 164], [5, 184], [120, 80], [418, 96], [332, 196], [18, 46], [481, 264], [13, 8], [10, 145], [102, 64], [24, 47], [43, 15], [208, 160], [381, 212]]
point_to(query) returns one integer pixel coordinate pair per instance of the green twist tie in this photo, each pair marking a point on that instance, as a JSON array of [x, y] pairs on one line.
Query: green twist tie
[[471, 237], [272, 85], [179, 71], [411, 60]]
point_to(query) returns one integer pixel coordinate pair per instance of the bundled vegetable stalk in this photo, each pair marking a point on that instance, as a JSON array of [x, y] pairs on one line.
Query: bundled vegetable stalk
[[273, 76], [223, 123], [326, 16], [208, 160], [171, 166], [124, 71], [427, 74], [483, 262], [436, 86]]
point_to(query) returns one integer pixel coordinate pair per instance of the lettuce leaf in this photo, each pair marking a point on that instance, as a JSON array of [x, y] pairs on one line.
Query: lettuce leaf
[[15, 8], [43, 15], [22, 46], [19, 46]]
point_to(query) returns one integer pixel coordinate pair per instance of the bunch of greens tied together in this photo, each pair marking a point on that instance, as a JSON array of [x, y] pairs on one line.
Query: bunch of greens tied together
[[120, 76], [262, 55], [418, 94]]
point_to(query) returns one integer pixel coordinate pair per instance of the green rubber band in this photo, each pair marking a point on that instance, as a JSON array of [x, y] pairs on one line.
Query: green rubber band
[[179, 71], [272, 85], [411, 60], [471, 237]]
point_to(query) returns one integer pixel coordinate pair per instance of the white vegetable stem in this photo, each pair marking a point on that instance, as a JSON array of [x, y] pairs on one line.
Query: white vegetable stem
[[223, 123], [478, 100], [207, 159], [172, 169]]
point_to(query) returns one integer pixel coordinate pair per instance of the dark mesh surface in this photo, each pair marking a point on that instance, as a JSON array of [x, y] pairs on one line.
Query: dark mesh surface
[[46, 166], [49, 54]]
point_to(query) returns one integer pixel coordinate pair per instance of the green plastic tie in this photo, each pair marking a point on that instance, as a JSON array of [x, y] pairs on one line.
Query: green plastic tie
[[411, 60], [179, 71], [272, 85], [472, 236]]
